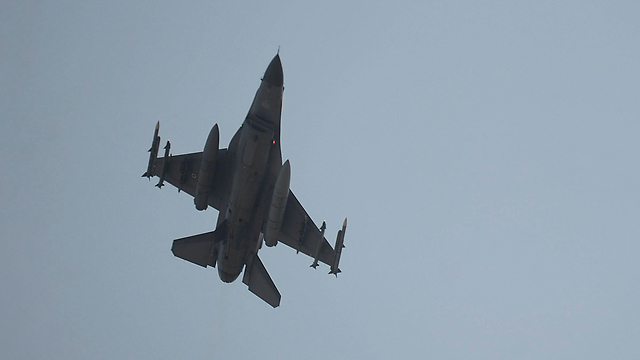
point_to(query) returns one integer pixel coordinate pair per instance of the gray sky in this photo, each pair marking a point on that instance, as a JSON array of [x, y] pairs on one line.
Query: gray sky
[[485, 153]]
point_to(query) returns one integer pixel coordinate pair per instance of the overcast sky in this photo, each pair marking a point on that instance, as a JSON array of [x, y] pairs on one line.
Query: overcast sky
[[485, 153]]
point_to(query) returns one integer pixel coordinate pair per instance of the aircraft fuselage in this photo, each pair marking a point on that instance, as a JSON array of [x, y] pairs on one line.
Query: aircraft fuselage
[[256, 157]]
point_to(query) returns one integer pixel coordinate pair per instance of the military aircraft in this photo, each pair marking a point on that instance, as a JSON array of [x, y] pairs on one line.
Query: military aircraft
[[249, 185]]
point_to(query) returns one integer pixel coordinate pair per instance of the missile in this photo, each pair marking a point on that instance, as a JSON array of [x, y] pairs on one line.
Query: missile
[[154, 152], [338, 249], [320, 242], [165, 161]]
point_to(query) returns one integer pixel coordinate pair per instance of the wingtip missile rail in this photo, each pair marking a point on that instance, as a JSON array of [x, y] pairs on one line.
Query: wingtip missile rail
[[338, 249], [154, 152]]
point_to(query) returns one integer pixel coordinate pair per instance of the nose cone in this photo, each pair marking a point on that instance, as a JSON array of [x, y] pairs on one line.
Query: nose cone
[[274, 75]]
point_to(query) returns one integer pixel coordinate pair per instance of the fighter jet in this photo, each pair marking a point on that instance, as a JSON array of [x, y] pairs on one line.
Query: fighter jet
[[249, 186]]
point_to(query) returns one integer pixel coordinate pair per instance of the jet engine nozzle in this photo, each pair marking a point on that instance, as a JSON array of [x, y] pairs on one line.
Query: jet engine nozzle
[[227, 277]]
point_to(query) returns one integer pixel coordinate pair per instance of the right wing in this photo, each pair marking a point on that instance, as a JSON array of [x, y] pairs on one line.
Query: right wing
[[182, 172], [299, 232]]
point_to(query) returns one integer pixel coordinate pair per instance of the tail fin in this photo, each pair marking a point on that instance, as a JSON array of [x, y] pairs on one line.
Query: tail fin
[[260, 283]]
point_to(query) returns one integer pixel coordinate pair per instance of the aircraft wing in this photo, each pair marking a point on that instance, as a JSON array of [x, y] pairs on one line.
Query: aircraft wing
[[299, 232], [182, 172]]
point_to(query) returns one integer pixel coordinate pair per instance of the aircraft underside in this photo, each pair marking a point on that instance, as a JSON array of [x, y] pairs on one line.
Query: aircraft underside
[[249, 185]]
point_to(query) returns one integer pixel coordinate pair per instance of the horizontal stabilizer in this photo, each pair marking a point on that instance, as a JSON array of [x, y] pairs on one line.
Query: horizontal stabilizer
[[198, 249], [260, 283]]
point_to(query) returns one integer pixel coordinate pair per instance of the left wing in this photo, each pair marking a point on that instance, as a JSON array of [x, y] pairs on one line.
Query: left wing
[[182, 172], [299, 232]]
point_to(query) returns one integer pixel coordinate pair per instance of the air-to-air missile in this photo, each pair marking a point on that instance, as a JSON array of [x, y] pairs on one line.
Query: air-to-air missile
[[154, 152], [320, 242], [165, 166], [338, 249]]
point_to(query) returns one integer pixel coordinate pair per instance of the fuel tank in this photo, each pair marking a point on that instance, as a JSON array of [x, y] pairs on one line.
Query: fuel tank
[[207, 167], [278, 205]]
